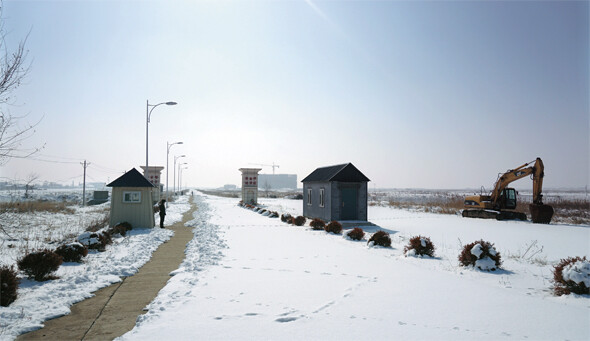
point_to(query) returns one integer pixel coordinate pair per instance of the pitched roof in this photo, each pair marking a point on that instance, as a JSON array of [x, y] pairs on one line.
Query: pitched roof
[[344, 173], [132, 178]]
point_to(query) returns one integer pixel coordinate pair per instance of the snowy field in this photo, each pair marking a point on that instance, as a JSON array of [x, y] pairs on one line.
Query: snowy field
[[40, 301], [247, 277]]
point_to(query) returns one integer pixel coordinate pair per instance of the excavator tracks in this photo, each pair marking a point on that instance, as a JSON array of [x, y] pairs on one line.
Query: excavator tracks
[[498, 215]]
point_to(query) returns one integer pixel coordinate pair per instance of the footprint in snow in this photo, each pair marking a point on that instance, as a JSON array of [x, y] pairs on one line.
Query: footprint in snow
[[286, 319]]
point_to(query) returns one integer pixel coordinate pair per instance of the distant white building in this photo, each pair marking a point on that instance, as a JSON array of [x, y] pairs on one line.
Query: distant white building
[[277, 181]]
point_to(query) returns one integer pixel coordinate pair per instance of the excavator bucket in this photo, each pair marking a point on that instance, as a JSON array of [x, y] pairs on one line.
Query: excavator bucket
[[541, 214]]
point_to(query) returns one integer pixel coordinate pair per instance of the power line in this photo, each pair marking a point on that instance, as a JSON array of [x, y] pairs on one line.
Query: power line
[[59, 157], [104, 169], [51, 161]]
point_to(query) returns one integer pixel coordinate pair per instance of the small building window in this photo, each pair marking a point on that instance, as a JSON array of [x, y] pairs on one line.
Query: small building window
[[131, 197], [321, 197], [309, 196]]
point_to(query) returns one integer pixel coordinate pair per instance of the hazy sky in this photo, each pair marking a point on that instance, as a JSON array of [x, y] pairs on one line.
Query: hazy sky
[[430, 94]]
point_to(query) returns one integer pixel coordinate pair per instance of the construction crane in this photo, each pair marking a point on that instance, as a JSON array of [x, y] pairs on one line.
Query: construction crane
[[273, 166]]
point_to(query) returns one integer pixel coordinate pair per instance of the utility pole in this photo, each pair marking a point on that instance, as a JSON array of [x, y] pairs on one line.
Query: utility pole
[[85, 164]]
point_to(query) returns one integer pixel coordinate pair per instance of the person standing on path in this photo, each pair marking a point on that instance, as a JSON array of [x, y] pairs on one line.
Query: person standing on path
[[162, 212]]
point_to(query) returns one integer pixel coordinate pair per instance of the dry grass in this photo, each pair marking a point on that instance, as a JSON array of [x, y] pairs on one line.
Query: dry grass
[[99, 223], [567, 211], [451, 204], [224, 194], [36, 206], [261, 193]]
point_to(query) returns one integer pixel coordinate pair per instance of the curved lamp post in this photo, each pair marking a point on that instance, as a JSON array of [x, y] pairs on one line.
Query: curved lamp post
[[174, 181], [168, 145], [180, 176], [148, 114]]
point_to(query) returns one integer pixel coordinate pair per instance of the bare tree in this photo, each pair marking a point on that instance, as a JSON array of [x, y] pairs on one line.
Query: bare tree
[[13, 131], [29, 183], [13, 70]]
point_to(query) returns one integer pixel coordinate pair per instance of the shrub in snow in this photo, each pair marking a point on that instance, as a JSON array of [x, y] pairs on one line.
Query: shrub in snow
[[481, 255], [273, 214], [286, 217], [95, 241], [124, 225], [380, 238], [105, 238], [299, 221], [121, 230], [90, 240], [72, 252], [8, 285], [334, 227], [317, 224], [38, 265], [419, 246], [262, 211], [356, 233], [572, 275]]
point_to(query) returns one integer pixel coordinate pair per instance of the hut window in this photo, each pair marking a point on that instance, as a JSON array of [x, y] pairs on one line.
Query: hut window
[[321, 197], [131, 197], [309, 196]]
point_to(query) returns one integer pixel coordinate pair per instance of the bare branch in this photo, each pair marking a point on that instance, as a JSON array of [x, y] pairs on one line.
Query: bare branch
[[13, 70]]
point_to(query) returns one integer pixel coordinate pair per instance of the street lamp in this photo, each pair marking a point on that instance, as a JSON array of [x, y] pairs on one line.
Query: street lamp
[[174, 181], [180, 164], [168, 145], [148, 114], [180, 169]]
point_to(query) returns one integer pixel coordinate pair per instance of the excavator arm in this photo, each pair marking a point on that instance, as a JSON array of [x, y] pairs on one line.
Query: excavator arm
[[537, 170], [538, 175]]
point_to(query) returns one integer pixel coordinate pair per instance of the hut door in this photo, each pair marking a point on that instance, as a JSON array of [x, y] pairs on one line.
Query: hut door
[[348, 207]]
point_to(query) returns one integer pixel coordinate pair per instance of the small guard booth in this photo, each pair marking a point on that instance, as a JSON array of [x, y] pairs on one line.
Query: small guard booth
[[250, 185], [131, 200], [336, 193], [154, 175]]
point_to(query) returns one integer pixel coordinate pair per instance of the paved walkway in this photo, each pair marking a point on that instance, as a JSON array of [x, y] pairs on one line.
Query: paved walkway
[[113, 310]]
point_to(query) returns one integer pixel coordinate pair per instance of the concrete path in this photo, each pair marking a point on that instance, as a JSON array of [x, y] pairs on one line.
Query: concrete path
[[113, 310]]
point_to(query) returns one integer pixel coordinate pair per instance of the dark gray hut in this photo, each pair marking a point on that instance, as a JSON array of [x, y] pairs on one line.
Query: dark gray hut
[[336, 193], [131, 200]]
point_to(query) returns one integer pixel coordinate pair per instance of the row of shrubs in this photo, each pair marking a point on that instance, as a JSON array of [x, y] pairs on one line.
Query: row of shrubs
[[41, 264], [260, 210], [479, 254]]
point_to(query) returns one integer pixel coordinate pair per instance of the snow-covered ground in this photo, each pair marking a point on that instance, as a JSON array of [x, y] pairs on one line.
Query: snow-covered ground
[[247, 276], [40, 301]]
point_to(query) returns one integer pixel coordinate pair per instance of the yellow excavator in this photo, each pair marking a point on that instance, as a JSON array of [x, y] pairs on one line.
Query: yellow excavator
[[501, 202]]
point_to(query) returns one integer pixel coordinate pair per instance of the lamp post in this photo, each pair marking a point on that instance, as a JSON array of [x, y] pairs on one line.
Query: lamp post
[[168, 145], [174, 181], [180, 177], [148, 114], [179, 165]]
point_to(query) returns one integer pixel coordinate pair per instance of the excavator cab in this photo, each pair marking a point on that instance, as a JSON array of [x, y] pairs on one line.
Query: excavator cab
[[508, 198]]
